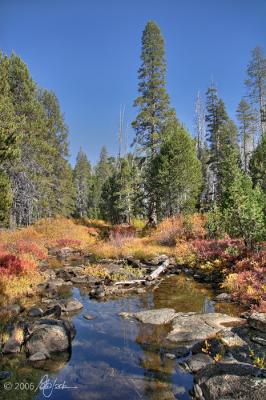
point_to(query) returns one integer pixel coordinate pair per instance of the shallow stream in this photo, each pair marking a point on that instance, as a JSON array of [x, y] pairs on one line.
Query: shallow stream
[[116, 358]]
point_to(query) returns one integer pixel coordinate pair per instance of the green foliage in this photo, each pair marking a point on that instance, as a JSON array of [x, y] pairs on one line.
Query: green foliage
[[153, 100], [5, 198], [118, 194], [102, 172], [82, 180], [154, 109], [247, 119], [256, 84], [244, 217], [258, 164], [178, 172], [214, 222]]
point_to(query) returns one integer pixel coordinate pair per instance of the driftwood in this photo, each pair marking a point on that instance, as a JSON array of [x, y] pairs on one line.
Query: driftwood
[[135, 281], [159, 270], [150, 277]]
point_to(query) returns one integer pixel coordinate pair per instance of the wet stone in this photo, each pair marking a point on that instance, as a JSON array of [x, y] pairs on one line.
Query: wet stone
[[35, 312], [39, 356], [198, 361], [155, 317], [88, 317], [258, 321]]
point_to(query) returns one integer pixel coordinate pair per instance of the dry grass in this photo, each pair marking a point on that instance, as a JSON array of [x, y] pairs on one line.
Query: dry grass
[[14, 287]]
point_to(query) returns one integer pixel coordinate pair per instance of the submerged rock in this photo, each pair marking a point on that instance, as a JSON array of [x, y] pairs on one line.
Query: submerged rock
[[88, 317], [156, 317]]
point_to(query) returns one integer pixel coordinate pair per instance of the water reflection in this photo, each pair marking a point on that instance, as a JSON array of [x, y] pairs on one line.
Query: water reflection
[[115, 358]]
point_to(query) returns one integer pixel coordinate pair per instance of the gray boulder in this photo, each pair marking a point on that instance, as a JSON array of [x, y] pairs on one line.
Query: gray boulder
[[230, 381], [258, 321], [49, 336], [189, 327], [223, 297], [35, 312], [198, 361], [70, 305], [39, 356], [156, 317], [12, 346]]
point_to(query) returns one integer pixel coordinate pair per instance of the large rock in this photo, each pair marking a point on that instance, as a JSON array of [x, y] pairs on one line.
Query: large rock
[[12, 346], [189, 327], [230, 381], [70, 305], [156, 317], [35, 312], [223, 297], [49, 336], [198, 361], [258, 321]]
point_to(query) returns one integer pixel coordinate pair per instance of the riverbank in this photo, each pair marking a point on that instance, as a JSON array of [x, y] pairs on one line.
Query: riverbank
[[50, 271], [65, 331]]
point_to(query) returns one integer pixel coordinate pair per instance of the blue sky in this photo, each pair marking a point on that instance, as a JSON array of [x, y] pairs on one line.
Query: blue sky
[[87, 52]]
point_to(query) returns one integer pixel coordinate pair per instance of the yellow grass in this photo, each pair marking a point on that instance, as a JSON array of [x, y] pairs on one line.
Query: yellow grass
[[15, 287]]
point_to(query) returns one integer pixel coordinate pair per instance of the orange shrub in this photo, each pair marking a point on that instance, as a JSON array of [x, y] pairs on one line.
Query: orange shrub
[[178, 228]]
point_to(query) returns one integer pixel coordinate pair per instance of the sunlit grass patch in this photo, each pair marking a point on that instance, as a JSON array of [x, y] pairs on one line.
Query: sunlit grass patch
[[14, 287]]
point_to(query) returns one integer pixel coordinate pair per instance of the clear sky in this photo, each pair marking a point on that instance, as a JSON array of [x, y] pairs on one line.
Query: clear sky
[[87, 52]]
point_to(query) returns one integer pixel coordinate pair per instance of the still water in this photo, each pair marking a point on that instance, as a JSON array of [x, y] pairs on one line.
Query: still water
[[113, 358]]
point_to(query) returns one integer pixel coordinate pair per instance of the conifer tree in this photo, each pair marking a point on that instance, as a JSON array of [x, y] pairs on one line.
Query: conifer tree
[[216, 117], [178, 171], [82, 181], [256, 84], [244, 217], [258, 164], [202, 148], [153, 104], [61, 191], [246, 119], [103, 170], [228, 162], [10, 125]]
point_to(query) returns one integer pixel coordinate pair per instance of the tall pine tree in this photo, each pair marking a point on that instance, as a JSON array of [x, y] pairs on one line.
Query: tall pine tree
[[154, 109], [82, 181], [246, 120]]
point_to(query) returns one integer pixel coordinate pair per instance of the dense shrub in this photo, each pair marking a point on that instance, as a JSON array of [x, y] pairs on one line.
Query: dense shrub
[[172, 230], [248, 287], [14, 265], [67, 242], [226, 249]]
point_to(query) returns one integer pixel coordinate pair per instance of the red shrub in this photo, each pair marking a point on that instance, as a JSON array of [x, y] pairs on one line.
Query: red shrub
[[252, 261], [249, 286], [13, 265], [24, 247], [226, 250]]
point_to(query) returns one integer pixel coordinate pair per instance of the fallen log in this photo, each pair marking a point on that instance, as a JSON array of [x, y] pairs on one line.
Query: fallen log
[[135, 281], [159, 270]]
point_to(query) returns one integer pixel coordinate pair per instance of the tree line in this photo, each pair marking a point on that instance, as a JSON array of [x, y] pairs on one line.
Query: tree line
[[168, 172]]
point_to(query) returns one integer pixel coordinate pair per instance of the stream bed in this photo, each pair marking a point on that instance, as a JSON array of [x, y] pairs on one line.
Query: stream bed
[[116, 358]]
